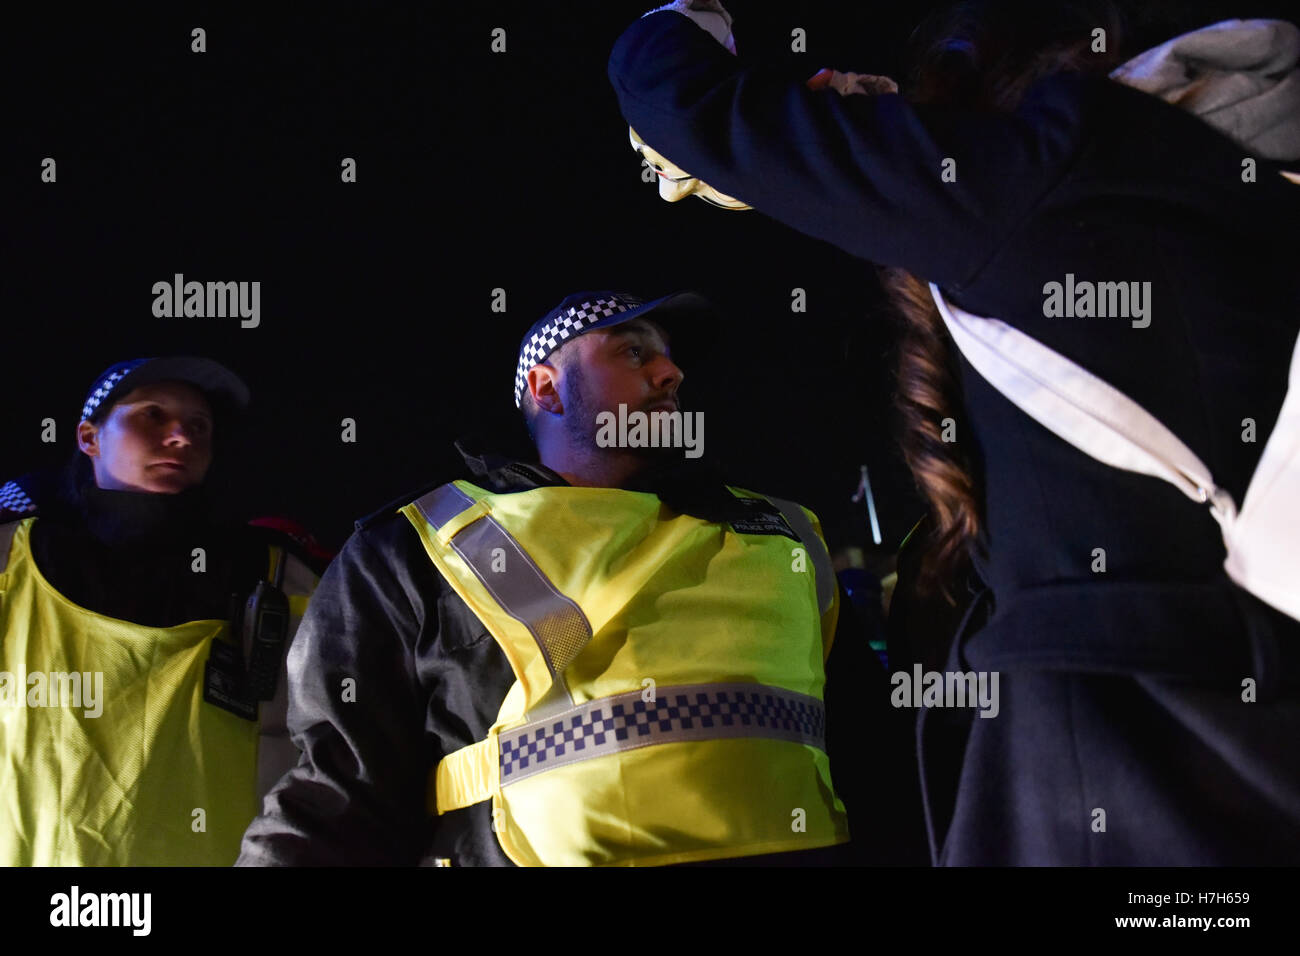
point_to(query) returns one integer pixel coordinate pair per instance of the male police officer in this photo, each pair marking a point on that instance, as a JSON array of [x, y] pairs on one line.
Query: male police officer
[[610, 658], [128, 731]]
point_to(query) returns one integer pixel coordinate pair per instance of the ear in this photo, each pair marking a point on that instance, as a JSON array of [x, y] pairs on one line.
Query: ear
[[88, 438], [543, 386]]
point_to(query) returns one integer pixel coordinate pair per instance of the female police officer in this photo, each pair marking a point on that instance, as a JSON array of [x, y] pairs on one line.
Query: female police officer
[[129, 721]]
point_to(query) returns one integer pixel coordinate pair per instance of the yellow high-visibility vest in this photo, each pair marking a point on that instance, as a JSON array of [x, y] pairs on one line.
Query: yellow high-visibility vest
[[669, 674], [123, 763]]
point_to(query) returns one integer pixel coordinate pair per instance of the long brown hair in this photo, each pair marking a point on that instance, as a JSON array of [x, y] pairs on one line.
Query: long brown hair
[[976, 56]]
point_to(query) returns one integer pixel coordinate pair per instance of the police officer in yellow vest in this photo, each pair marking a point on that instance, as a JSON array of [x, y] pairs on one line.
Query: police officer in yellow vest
[[610, 658], [129, 708]]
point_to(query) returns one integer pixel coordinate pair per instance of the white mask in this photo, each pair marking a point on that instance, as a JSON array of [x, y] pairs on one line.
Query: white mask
[[675, 183]]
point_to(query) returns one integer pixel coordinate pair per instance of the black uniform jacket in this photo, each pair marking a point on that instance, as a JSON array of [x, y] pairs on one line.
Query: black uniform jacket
[[130, 555]]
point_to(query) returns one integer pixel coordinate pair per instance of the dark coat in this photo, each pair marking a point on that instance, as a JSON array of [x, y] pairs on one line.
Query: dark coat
[[1121, 690]]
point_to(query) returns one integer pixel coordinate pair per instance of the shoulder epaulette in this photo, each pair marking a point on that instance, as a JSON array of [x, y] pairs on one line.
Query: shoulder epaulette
[[14, 503]]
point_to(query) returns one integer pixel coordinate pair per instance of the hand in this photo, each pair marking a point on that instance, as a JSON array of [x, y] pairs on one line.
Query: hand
[[847, 84]]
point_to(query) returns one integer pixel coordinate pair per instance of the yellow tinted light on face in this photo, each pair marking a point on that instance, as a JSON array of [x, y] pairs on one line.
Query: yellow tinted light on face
[[675, 183]]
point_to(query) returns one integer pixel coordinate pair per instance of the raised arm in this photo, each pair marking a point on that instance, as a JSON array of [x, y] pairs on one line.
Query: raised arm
[[863, 172]]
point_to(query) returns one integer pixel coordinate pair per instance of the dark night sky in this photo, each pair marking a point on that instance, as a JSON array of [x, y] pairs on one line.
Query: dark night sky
[[475, 171]]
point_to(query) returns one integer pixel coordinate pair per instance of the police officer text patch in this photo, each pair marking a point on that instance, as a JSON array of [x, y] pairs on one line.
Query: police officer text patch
[[763, 518]]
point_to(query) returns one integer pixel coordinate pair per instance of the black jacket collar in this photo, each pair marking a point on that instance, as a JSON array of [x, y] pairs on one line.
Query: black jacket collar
[[688, 486]]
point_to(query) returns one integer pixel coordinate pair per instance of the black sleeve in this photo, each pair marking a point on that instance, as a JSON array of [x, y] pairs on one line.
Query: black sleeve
[[862, 172], [872, 751], [356, 713]]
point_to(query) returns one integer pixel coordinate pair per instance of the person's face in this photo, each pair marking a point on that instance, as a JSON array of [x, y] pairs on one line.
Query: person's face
[[629, 364], [156, 438]]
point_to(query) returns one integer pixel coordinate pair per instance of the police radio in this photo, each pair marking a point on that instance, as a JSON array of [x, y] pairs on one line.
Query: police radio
[[263, 624], [265, 629]]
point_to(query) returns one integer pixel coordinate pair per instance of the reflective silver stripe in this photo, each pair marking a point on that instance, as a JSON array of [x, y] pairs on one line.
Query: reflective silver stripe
[[675, 714], [442, 504], [557, 624], [6, 540], [821, 558]]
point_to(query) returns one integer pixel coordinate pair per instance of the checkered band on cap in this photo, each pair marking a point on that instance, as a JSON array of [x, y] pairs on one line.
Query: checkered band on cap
[[14, 499], [106, 385], [560, 328]]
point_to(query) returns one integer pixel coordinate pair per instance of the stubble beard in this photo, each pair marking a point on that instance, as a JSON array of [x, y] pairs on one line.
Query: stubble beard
[[580, 427]]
